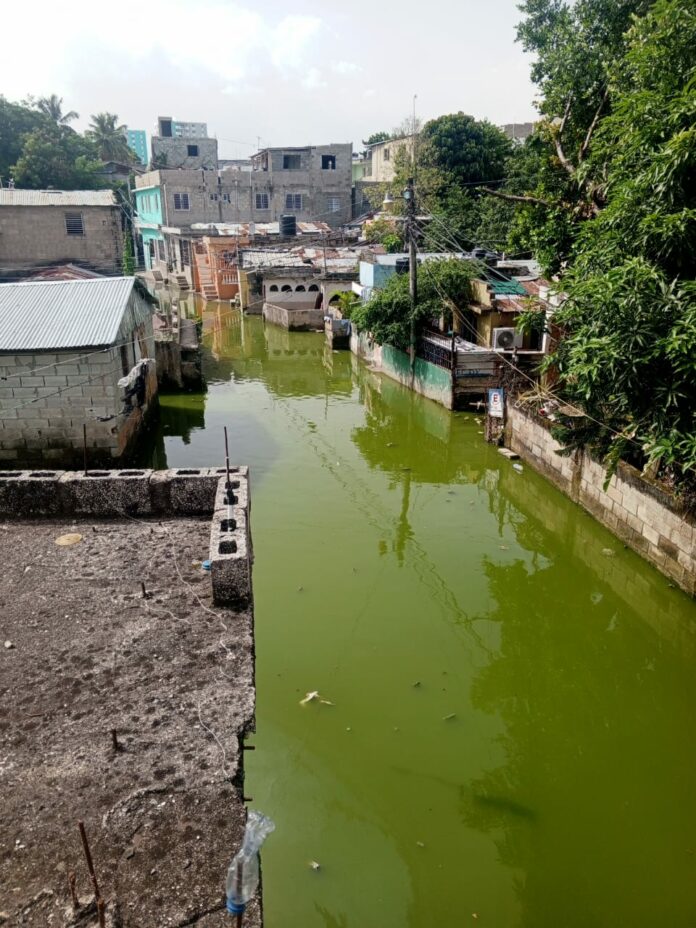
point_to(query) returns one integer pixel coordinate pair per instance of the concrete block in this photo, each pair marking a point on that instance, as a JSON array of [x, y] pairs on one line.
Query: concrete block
[[106, 492], [230, 558], [240, 492], [193, 490], [27, 494], [650, 535]]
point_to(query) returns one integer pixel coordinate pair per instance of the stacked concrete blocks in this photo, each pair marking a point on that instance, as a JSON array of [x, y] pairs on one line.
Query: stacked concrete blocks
[[230, 543]]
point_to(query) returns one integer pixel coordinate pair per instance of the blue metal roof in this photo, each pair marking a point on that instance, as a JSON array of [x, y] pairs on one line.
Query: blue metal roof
[[50, 315]]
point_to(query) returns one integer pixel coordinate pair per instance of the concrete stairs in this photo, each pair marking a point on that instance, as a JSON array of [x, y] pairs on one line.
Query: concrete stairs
[[181, 281], [205, 276]]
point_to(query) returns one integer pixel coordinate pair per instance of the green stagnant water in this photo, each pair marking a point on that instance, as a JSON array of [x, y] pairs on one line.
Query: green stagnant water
[[511, 736]]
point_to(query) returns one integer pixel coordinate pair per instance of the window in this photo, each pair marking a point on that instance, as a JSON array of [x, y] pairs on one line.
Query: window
[[293, 201], [386, 154], [313, 287], [192, 151], [292, 162], [161, 254], [185, 252], [74, 224], [299, 288], [181, 201], [286, 288], [328, 162], [333, 204], [273, 288], [157, 203], [261, 201], [213, 196], [225, 198]]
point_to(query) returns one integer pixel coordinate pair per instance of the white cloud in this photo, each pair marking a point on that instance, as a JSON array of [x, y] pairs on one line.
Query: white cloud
[[224, 40], [345, 67]]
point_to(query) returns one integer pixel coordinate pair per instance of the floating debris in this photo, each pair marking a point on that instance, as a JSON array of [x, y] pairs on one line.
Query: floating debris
[[314, 696], [518, 468], [8, 645], [503, 547], [420, 844], [315, 865], [72, 538], [448, 718], [417, 683], [607, 552]]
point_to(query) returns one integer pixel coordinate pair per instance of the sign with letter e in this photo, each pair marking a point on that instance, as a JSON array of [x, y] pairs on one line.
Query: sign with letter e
[[495, 403]]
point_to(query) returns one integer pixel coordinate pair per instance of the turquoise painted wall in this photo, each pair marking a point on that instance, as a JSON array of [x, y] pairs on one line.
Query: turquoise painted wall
[[148, 204], [429, 380]]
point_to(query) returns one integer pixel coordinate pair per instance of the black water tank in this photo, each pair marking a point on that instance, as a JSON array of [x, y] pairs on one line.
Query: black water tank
[[288, 226], [402, 265]]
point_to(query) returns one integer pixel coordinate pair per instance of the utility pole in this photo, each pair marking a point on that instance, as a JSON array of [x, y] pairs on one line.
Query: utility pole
[[410, 197]]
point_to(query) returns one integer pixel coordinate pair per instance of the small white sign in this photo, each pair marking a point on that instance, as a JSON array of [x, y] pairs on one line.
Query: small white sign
[[495, 403]]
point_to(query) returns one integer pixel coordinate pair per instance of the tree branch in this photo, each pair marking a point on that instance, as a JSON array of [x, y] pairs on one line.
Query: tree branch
[[516, 199], [593, 125], [559, 145]]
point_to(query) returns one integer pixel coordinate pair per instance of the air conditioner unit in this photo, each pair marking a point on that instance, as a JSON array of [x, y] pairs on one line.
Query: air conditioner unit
[[506, 339]]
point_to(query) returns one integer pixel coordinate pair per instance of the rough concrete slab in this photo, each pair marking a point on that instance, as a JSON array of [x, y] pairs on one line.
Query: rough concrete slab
[[89, 655]]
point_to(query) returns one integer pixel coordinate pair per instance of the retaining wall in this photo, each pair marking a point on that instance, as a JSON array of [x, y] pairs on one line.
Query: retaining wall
[[149, 493], [429, 379], [639, 511]]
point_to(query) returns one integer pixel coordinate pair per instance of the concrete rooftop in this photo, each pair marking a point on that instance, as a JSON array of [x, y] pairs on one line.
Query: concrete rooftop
[[170, 672]]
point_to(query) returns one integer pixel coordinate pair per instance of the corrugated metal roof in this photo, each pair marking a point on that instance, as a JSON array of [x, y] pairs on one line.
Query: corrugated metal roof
[[48, 315], [57, 197]]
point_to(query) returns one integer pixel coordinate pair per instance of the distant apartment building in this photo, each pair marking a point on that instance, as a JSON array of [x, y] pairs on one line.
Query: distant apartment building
[[41, 228], [379, 166], [517, 131], [137, 142], [183, 145]]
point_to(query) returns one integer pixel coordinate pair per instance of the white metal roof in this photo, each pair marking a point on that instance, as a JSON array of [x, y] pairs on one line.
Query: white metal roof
[[13, 197], [50, 315]]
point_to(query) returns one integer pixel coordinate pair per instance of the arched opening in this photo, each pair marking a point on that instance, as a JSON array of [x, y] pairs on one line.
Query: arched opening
[[299, 289], [313, 287], [286, 288], [273, 288]]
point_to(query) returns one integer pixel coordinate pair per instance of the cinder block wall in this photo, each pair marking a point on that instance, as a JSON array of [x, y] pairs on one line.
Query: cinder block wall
[[31, 236], [642, 513]]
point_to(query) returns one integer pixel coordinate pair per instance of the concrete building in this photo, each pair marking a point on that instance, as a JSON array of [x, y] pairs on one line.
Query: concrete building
[[137, 142], [64, 347], [47, 227], [311, 183], [379, 166], [517, 131], [183, 145]]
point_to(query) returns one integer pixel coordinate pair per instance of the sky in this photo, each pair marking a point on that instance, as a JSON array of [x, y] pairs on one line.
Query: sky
[[298, 73]]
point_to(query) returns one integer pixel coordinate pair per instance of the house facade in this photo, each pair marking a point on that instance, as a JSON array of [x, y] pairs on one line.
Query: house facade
[[39, 228], [74, 367]]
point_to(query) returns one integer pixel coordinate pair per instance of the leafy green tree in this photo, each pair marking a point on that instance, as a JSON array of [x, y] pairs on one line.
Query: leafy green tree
[[110, 138], [16, 122], [442, 286], [384, 232], [376, 138], [55, 156], [628, 358], [52, 107]]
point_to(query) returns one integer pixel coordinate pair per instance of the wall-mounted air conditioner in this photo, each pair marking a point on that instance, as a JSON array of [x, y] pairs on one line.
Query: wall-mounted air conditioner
[[505, 339]]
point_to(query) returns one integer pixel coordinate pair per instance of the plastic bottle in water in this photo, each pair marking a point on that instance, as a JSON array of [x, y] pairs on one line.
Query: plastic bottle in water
[[243, 874]]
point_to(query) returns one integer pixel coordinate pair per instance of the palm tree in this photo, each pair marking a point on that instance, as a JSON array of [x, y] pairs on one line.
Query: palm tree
[[53, 108], [110, 138]]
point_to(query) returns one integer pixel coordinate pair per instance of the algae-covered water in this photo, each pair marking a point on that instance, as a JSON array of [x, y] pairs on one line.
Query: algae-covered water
[[510, 741]]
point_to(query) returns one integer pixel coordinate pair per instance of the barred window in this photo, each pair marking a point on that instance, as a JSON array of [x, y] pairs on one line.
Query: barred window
[[74, 224], [181, 201], [261, 201], [333, 204], [293, 201]]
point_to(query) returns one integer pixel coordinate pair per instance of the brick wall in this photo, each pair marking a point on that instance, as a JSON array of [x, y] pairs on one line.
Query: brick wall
[[32, 236], [639, 511]]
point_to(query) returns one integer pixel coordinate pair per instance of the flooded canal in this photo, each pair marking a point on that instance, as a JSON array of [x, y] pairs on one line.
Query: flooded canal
[[509, 741]]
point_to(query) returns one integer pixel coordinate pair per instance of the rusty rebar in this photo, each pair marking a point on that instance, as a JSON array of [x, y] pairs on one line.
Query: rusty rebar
[[72, 881], [114, 740], [88, 856], [101, 913]]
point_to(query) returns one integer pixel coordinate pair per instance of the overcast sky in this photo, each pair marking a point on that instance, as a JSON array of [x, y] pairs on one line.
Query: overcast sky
[[290, 73]]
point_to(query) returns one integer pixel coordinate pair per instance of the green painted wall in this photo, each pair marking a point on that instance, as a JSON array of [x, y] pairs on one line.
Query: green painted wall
[[430, 380]]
